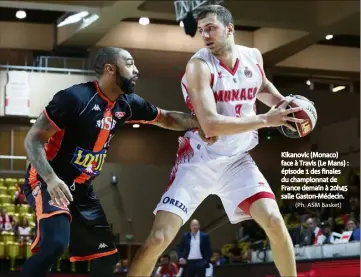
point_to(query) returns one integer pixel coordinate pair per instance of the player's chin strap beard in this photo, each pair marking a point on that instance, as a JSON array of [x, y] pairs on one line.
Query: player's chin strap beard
[[125, 85]]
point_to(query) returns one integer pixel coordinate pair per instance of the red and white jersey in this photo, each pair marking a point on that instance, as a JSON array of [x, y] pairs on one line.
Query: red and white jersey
[[235, 95]]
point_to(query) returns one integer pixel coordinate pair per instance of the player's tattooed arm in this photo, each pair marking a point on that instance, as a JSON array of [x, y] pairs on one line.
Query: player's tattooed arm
[[177, 121], [34, 142]]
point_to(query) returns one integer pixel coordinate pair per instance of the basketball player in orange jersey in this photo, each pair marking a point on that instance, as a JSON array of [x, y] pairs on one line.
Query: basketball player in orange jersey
[[67, 147], [221, 85]]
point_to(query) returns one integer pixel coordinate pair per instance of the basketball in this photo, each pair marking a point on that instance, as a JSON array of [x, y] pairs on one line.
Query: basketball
[[309, 113]]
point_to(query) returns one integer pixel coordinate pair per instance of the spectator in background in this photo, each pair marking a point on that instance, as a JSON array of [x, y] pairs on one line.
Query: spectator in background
[[6, 221], [124, 267], [19, 195], [167, 268], [173, 256], [194, 251], [353, 215], [306, 235], [118, 267], [327, 236], [316, 231], [23, 230], [351, 226], [355, 205], [217, 258], [121, 266], [235, 254], [244, 231]]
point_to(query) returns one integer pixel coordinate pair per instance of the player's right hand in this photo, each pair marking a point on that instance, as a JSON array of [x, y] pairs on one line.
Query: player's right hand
[[278, 116], [59, 192]]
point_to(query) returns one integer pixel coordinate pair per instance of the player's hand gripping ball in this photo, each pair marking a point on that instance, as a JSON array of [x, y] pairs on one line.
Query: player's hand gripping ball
[[308, 113]]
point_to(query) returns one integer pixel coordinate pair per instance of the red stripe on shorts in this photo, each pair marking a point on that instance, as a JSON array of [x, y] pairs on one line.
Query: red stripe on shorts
[[246, 204]]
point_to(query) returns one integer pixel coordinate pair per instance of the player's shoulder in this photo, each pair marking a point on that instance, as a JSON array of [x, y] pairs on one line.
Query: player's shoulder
[[131, 98], [82, 89], [247, 50], [80, 92], [202, 53], [251, 53]]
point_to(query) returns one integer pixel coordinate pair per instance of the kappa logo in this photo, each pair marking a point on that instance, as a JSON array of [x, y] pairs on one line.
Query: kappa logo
[[102, 245], [96, 108], [220, 74], [119, 115]]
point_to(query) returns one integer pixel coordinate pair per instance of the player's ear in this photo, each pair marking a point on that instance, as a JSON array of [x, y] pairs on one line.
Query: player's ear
[[108, 68], [230, 28]]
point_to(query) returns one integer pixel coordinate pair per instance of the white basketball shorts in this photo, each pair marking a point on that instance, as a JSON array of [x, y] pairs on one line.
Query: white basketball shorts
[[236, 181]]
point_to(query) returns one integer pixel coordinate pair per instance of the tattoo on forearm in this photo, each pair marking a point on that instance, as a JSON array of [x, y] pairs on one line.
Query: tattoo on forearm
[[177, 121], [34, 146]]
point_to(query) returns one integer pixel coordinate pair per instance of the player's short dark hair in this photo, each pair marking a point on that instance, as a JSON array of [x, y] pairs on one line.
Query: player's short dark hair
[[223, 15], [105, 55]]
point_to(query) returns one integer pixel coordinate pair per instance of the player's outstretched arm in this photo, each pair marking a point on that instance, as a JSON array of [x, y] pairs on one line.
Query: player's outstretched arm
[[147, 113], [179, 121], [38, 135], [202, 98]]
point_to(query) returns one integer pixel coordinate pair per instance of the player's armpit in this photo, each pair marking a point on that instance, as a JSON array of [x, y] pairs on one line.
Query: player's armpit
[[40, 132], [268, 94]]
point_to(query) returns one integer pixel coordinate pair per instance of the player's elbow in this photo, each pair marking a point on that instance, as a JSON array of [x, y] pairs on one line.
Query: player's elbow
[[31, 140], [210, 132], [28, 140]]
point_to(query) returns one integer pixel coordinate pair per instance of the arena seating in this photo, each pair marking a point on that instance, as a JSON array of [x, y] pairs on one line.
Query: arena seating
[[12, 245]]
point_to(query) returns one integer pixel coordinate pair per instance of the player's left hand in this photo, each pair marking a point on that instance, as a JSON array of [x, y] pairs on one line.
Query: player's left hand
[[208, 140]]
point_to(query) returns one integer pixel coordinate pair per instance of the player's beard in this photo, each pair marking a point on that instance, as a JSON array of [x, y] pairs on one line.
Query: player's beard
[[224, 47], [124, 84]]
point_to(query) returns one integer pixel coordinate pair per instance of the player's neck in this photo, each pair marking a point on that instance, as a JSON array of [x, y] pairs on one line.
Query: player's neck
[[112, 93], [228, 56]]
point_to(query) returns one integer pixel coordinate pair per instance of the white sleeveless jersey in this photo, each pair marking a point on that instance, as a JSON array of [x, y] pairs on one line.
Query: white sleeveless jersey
[[235, 95]]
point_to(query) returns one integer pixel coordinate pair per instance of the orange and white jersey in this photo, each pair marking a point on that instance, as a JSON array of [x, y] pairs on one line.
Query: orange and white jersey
[[235, 93]]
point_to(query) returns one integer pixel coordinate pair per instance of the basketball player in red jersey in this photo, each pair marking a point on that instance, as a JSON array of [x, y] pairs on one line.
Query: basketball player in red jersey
[[221, 85]]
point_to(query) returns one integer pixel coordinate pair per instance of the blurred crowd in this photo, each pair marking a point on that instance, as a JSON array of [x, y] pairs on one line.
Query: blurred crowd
[[17, 220], [308, 225]]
